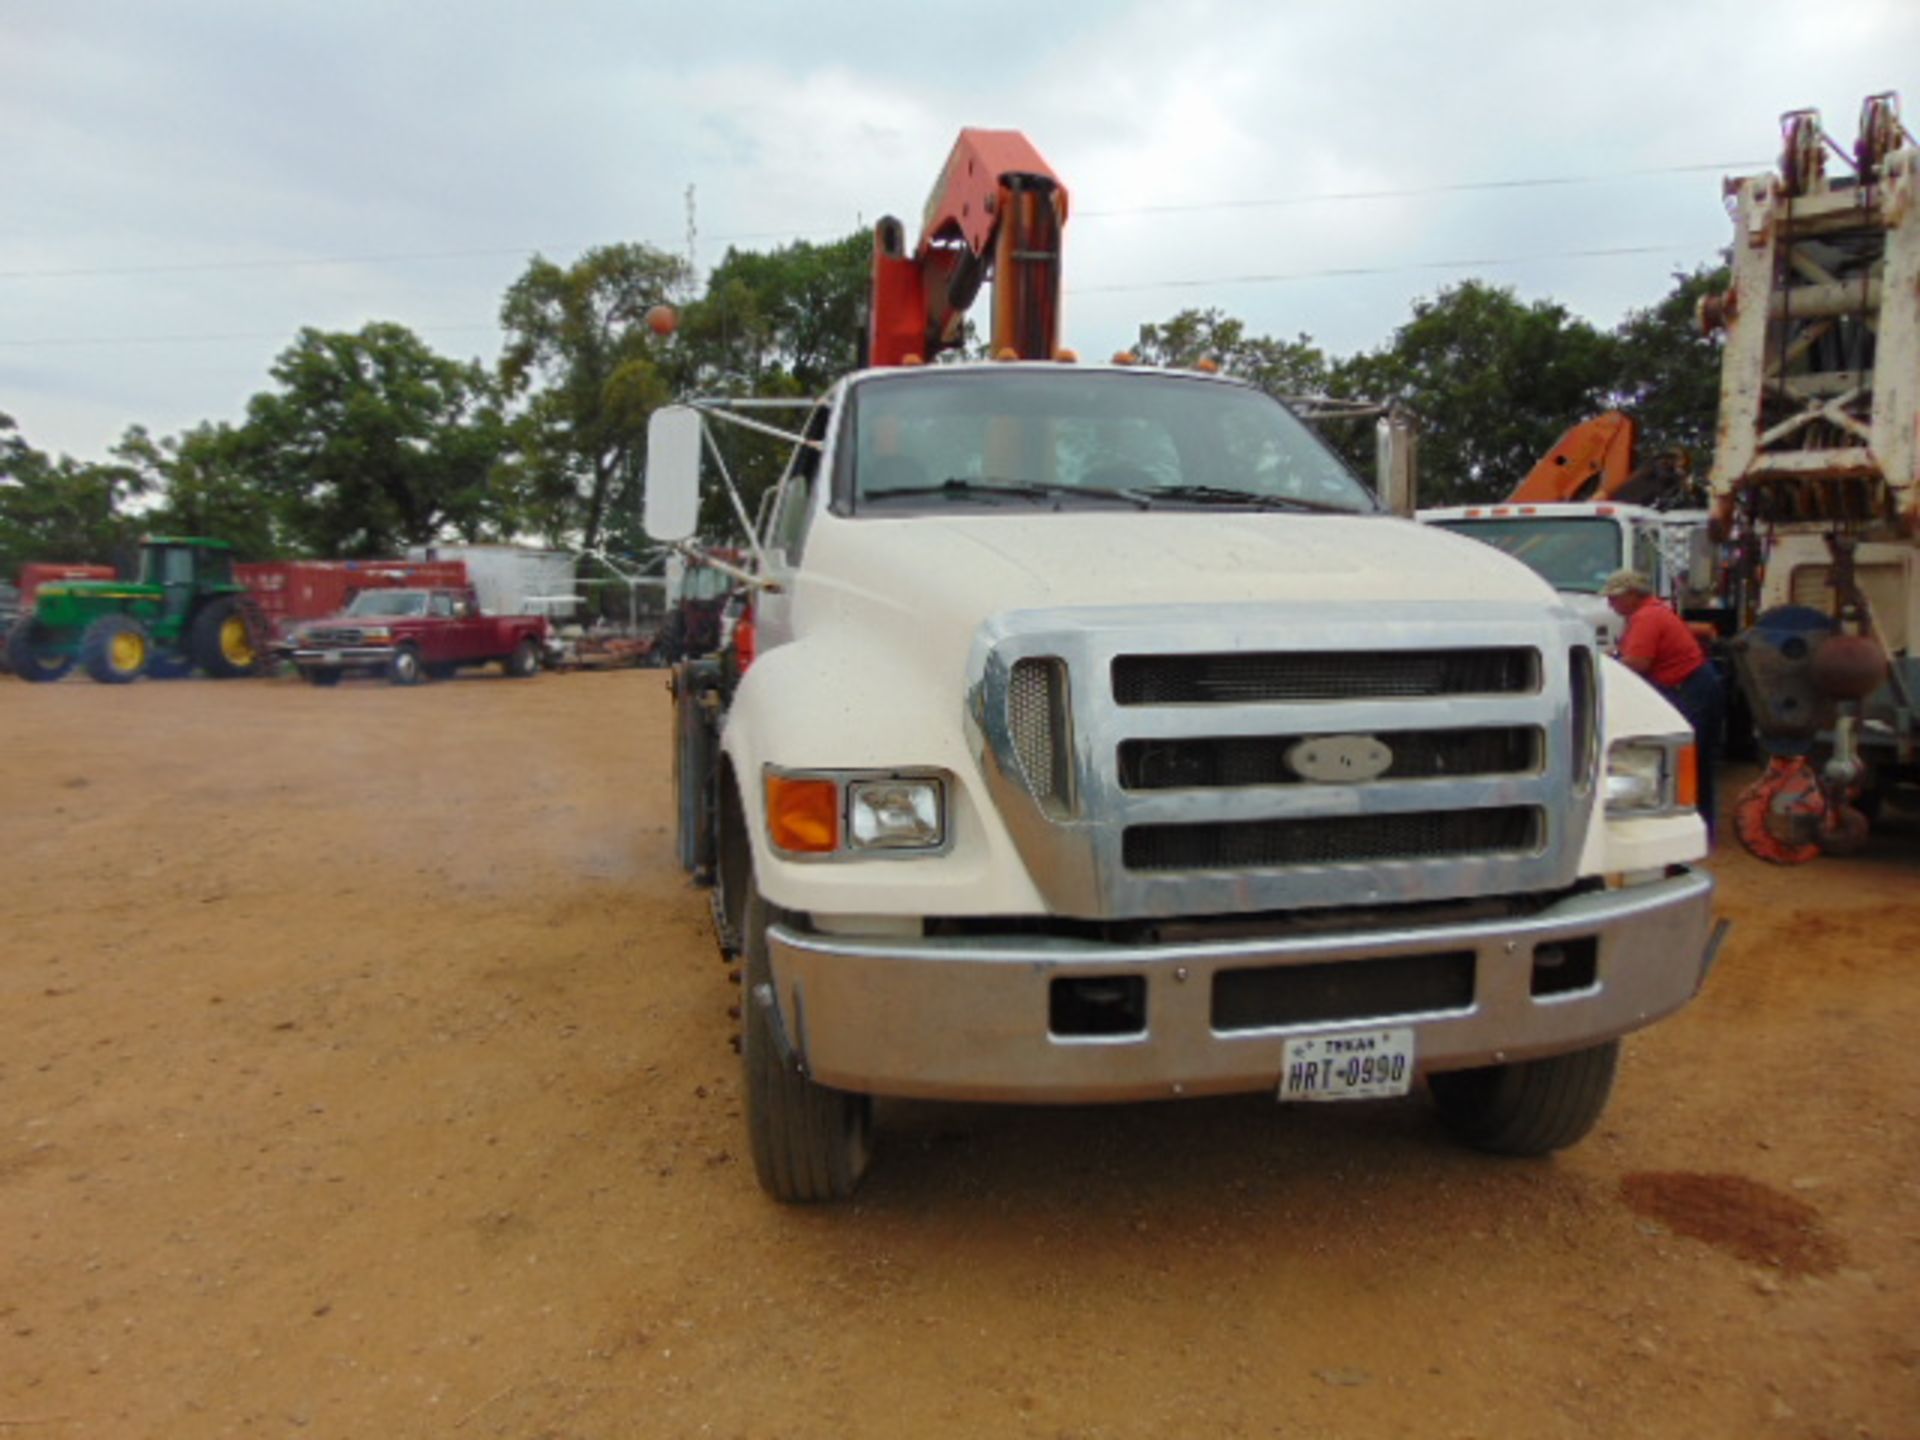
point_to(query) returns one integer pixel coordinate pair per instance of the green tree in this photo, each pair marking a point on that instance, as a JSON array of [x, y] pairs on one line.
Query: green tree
[[588, 371], [1669, 372], [1493, 381], [62, 509], [1279, 367], [208, 486], [373, 442], [784, 324], [790, 320]]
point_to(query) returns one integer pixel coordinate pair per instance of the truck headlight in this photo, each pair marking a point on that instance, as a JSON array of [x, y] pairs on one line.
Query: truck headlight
[[1653, 775], [895, 815], [828, 814]]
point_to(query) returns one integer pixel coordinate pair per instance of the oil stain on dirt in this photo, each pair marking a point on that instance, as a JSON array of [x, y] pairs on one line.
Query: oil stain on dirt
[[1733, 1213]]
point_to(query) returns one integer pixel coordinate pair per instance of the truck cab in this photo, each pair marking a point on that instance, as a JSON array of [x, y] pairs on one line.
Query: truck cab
[[1105, 740], [1574, 547]]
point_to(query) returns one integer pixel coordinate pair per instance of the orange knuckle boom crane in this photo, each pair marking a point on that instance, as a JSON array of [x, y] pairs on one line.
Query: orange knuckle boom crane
[[997, 213]]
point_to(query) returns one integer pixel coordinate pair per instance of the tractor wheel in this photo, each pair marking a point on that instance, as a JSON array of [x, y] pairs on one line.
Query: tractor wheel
[[524, 662], [220, 642], [115, 649], [28, 654], [405, 667], [320, 675]]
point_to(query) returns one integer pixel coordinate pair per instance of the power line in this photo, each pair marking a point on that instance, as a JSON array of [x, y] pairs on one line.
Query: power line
[[1541, 182], [273, 335], [1352, 271], [1186, 283], [1198, 206]]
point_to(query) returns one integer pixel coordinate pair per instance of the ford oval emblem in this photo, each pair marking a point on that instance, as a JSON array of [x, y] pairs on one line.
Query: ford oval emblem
[[1333, 758]]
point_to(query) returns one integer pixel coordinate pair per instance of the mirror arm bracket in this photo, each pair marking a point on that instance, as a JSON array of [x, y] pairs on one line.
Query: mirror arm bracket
[[689, 550]]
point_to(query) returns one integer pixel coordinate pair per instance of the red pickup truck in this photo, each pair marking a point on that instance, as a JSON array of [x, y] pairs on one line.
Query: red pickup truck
[[409, 635]]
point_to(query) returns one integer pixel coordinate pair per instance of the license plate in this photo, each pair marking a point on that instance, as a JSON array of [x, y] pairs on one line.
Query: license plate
[[331, 657], [1360, 1065]]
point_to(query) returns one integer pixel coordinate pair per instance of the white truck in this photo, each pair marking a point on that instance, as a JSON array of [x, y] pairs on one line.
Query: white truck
[[1101, 738], [1575, 546], [1061, 785]]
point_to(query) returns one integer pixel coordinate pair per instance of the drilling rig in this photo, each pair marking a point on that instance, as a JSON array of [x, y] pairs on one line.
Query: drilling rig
[[1817, 463]]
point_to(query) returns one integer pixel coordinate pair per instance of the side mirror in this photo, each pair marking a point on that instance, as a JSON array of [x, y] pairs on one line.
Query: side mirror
[[673, 473]]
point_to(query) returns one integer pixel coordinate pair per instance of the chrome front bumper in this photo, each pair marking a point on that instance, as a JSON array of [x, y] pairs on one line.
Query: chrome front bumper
[[968, 1019], [342, 657]]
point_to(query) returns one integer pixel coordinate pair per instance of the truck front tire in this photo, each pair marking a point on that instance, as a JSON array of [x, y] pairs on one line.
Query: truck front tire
[[1531, 1107], [810, 1143]]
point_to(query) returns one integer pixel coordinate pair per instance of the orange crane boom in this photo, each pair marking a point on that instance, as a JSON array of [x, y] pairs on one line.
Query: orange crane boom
[[1592, 461], [997, 213]]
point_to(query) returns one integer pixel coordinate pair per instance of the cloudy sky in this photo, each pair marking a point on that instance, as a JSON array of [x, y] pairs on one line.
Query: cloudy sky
[[188, 183]]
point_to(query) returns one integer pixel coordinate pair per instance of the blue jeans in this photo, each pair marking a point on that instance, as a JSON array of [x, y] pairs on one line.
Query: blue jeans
[[1701, 698]]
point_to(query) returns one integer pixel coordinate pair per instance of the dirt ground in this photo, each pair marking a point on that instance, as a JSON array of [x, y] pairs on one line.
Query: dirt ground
[[364, 1071]]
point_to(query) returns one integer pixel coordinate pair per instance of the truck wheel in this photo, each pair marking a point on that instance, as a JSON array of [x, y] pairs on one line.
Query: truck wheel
[[524, 662], [405, 668], [1531, 1107], [320, 675], [809, 1143], [220, 642], [29, 656], [115, 649]]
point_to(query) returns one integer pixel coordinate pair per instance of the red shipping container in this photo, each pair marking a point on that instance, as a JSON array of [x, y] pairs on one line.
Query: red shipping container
[[33, 576], [289, 591]]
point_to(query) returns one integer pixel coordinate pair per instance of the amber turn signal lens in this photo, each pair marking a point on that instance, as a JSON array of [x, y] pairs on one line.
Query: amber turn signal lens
[[803, 816], [1686, 777]]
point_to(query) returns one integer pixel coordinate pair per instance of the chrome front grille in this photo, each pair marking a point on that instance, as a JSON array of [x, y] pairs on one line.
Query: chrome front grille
[[1161, 762], [335, 636], [1328, 675], [1228, 762]]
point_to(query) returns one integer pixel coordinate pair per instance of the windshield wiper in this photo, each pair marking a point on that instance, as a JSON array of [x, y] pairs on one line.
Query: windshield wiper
[[1227, 495], [962, 486]]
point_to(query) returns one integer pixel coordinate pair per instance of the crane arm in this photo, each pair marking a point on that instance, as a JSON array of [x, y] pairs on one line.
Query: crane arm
[[997, 213], [1592, 461]]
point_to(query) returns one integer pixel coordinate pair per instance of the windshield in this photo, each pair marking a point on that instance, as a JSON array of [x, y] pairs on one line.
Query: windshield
[[1569, 553], [998, 437], [389, 602]]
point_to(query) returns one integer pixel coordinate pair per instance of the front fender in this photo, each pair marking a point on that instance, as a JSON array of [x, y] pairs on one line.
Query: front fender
[[1631, 707], [828, 702]]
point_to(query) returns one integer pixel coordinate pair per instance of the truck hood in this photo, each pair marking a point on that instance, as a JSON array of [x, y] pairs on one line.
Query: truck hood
[[957, 570]]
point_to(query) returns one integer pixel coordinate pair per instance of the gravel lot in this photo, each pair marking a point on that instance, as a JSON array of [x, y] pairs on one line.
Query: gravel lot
[[364, 1071]]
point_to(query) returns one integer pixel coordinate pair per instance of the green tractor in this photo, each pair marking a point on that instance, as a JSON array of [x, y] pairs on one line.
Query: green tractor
[[185, 611]]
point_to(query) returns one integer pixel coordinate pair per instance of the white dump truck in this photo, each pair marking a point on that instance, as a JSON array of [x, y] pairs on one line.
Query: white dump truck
[[1101, 738]]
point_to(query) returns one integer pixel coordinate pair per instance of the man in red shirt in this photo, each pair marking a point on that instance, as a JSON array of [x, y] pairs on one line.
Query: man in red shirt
[[1658, 646]]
